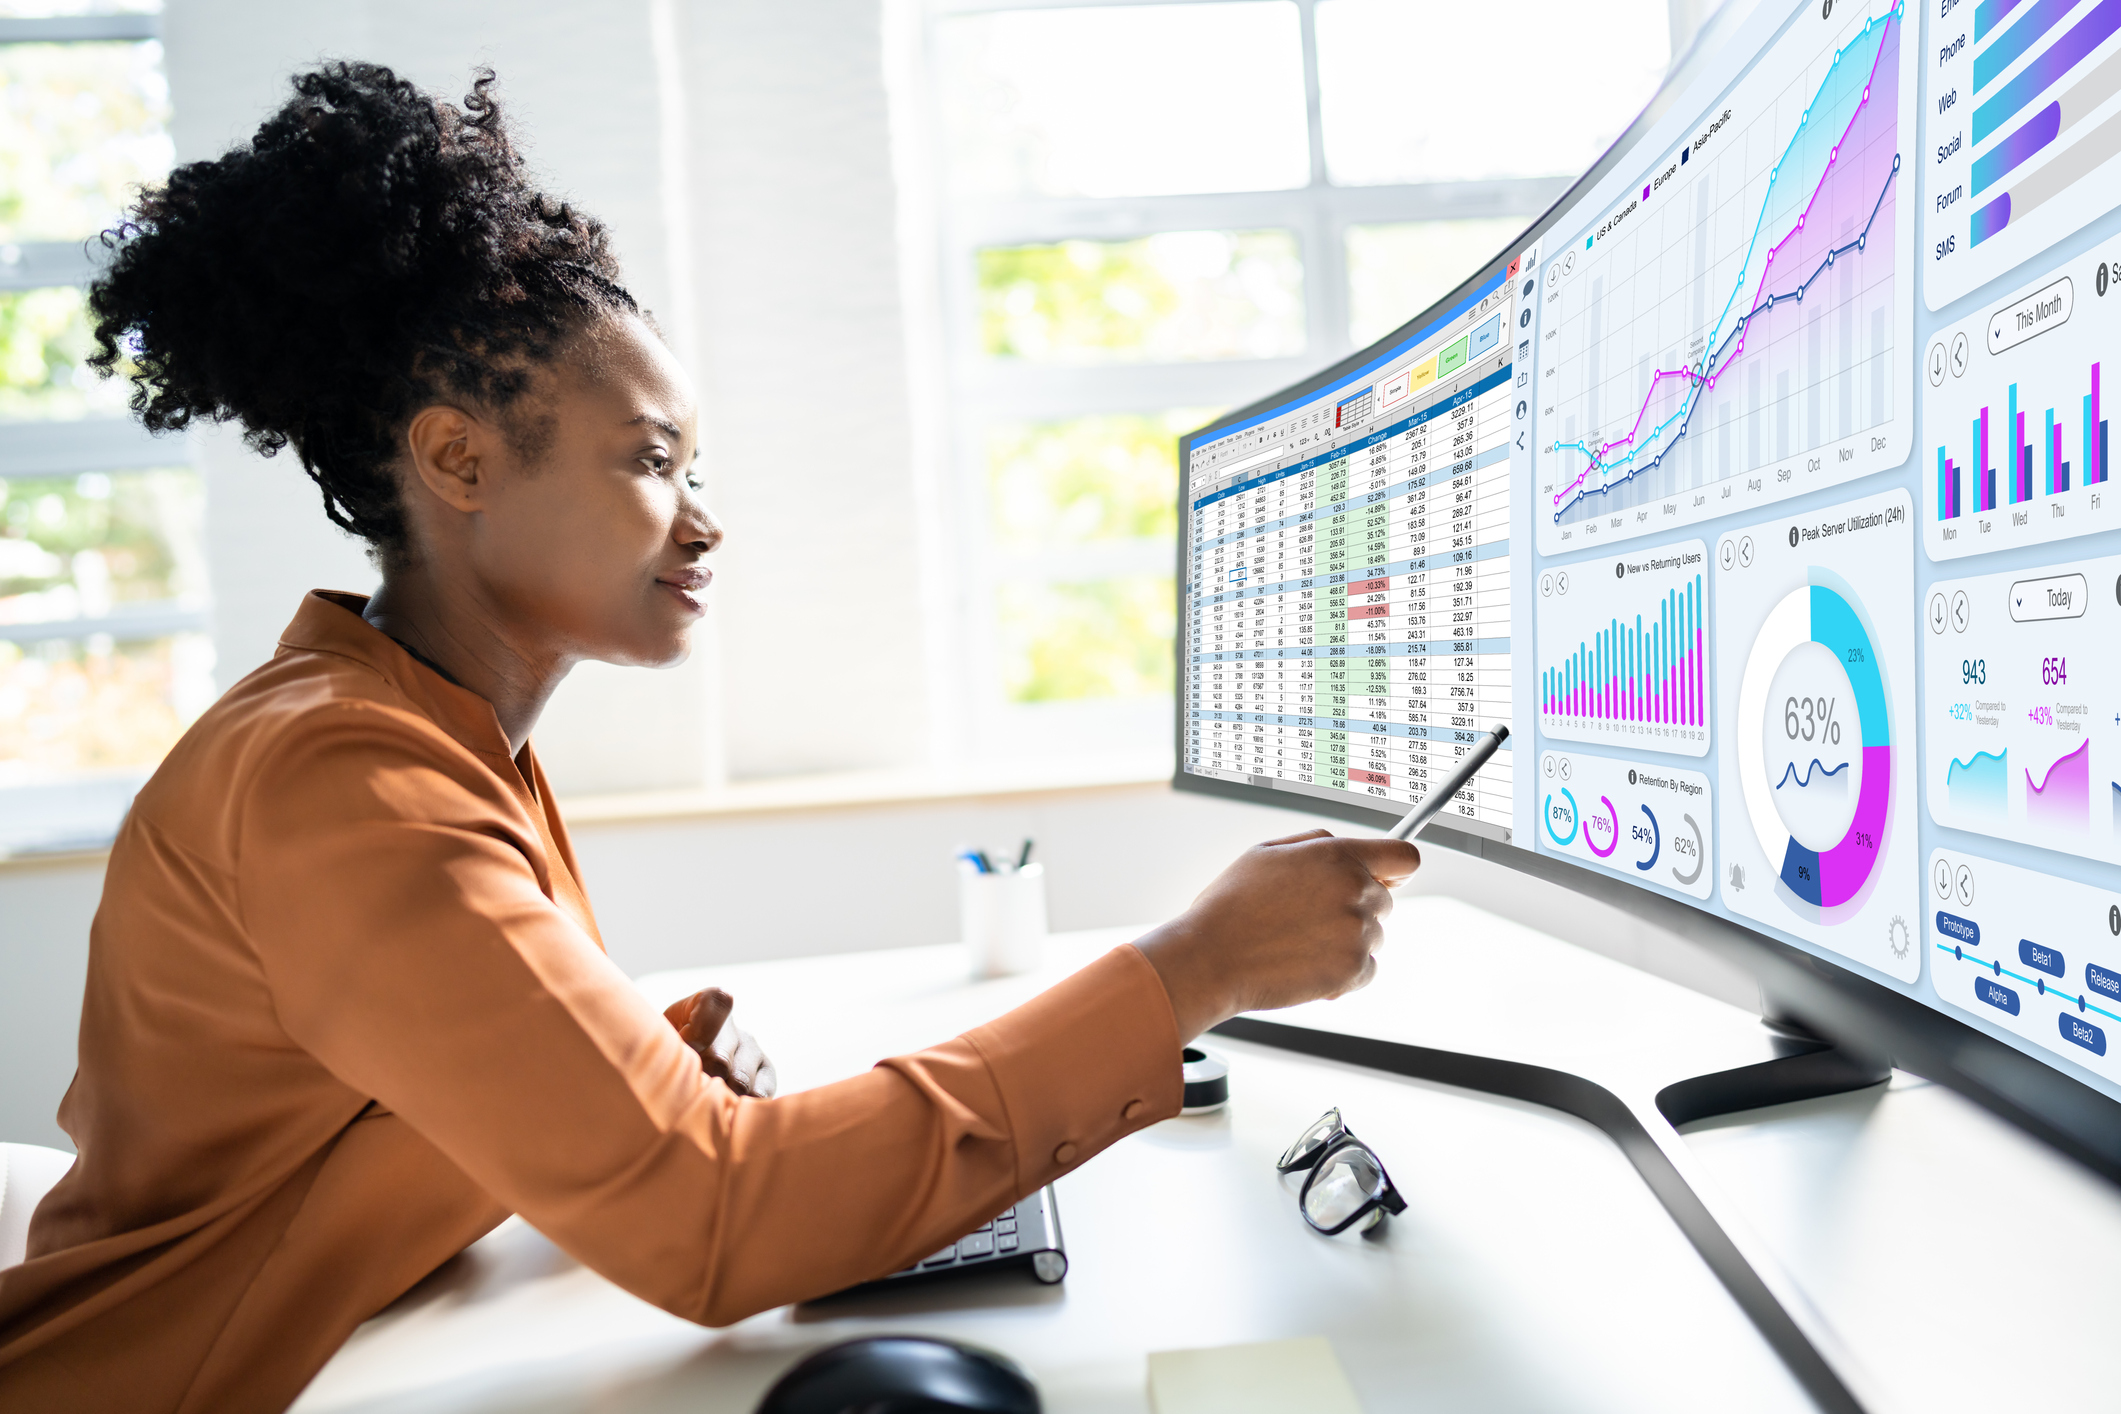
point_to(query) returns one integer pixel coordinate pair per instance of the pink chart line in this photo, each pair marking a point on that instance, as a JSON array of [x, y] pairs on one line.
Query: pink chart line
[[1699, 382], [1737, 333]]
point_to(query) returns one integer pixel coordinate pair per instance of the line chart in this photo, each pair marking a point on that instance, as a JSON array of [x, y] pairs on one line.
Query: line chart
[[1721, 334], [1818, 772], [1698, 381]]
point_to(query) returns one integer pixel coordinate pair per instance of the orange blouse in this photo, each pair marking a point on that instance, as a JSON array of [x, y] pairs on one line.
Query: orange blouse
[[347, 1009]]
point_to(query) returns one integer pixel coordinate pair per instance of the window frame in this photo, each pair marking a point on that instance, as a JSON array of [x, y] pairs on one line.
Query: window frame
[[64, 447], [977, 391]]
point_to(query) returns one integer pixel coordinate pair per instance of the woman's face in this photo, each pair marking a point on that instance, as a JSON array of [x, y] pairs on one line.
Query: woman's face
[[595, 543]]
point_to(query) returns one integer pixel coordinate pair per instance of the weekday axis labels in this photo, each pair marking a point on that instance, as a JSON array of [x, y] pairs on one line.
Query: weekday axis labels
[[1816, 669], [2023, 696]]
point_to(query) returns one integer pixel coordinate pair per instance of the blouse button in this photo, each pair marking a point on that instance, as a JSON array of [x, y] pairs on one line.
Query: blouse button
[[1064, 1155], [1132, 1111]]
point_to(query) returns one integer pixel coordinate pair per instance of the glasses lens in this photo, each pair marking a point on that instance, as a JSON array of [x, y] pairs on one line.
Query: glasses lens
[[1347, 1179], [1314, 1138]]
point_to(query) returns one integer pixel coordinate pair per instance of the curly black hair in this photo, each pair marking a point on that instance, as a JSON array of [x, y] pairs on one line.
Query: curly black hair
[[372, 250]]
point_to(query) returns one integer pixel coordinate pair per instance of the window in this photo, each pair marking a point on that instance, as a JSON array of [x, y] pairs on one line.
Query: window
[[1152, 212], [104, 657]]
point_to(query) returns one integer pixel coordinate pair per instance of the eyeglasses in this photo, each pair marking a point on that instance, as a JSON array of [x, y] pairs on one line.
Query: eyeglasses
[[1347, 1183]]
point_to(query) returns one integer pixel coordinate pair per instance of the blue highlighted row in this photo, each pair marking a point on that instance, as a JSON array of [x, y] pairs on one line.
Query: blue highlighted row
[[1358, 505]]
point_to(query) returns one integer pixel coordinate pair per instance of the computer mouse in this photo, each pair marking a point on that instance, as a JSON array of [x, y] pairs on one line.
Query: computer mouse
[[903, 1374]]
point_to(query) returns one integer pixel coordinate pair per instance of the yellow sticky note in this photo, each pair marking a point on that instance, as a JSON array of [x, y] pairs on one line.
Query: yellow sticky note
[[1269, 1377]]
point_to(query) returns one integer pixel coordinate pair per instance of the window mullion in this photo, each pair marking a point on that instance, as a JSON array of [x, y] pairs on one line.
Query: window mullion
[[1307, 20], [39, 264]]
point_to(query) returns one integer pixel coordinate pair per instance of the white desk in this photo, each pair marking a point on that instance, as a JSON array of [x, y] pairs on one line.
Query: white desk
[[1532, 1271]]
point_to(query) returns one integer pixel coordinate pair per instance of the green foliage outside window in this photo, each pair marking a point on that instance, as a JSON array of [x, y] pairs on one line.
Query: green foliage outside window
[[1175, 297], [1087, 481], [1106, 638], [82, 127], [44, 348], [77, 545]]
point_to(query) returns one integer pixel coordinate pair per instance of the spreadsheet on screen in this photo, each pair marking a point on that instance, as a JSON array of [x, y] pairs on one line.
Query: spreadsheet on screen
[[1347, 605]]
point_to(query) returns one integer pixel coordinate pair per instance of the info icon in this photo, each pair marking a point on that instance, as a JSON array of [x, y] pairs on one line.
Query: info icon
[[1793, 537]]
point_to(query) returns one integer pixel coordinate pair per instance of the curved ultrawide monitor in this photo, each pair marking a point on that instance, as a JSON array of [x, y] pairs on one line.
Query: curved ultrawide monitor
[[1763, 488]]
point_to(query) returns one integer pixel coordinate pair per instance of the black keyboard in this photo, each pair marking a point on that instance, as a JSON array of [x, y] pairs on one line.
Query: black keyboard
[[1027, 1236]]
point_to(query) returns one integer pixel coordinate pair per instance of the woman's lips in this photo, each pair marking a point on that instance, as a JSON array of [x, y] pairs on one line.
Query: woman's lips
[[686, 585]]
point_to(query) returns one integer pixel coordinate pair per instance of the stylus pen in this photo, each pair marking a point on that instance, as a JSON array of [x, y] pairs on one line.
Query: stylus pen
[[1411, 823]]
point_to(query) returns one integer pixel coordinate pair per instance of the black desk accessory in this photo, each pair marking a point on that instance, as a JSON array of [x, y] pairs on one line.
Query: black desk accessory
[[903, 1374]]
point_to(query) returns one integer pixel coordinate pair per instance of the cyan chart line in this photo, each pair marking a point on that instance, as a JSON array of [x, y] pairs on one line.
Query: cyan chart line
[[1701, 380], [2038, 984], [1701, 384]]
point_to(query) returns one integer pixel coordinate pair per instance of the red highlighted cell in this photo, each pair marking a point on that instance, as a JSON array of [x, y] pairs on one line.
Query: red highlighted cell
[[1369, 586], [1369, 611], [1369, 778]]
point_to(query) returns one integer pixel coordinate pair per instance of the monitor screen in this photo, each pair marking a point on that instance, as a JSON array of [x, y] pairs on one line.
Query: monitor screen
[[1761, 489]]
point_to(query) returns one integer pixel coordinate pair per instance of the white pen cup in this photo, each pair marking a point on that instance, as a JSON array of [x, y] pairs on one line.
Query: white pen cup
[[1003, 918]]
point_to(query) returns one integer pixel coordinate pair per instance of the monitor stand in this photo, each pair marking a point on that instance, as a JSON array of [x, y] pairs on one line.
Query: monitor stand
[[1641, 1110], [1804, 1066]]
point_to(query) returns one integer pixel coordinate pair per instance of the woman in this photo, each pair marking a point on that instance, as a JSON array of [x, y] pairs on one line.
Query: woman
[[346, 1005]]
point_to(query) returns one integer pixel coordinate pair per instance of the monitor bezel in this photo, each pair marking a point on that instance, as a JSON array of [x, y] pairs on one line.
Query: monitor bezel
[[1832, 1001]]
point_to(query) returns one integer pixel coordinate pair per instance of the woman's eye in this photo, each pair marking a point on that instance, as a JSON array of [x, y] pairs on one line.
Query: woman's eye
[[658, 465], [695, 482]]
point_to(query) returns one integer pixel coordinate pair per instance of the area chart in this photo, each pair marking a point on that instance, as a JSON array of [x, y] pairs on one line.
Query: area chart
[[1726, 335], [2022, 694]]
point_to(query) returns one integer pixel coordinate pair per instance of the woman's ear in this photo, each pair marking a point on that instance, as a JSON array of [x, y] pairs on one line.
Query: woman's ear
[[453, 454]]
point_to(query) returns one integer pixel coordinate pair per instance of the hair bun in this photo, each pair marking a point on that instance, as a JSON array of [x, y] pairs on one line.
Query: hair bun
[[370, 250]]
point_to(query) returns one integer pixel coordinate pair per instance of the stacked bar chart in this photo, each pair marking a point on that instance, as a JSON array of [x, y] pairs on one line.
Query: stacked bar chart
[[2028, 145], [2014, 398], [1625, 650]]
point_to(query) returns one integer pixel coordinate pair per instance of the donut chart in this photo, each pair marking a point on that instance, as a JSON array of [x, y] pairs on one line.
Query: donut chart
[[1821, 877]]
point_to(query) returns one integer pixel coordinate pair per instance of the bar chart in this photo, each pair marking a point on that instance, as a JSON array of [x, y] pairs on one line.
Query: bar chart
[[2013, 401], [2029, 463], [2027, 136], [1624, 644]]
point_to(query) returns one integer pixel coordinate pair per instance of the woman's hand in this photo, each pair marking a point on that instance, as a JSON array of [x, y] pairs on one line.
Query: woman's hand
[[1293, 920], [727, 1052]]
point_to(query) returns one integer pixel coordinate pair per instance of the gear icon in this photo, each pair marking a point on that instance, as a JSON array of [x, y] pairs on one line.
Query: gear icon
[[1897, 935]]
